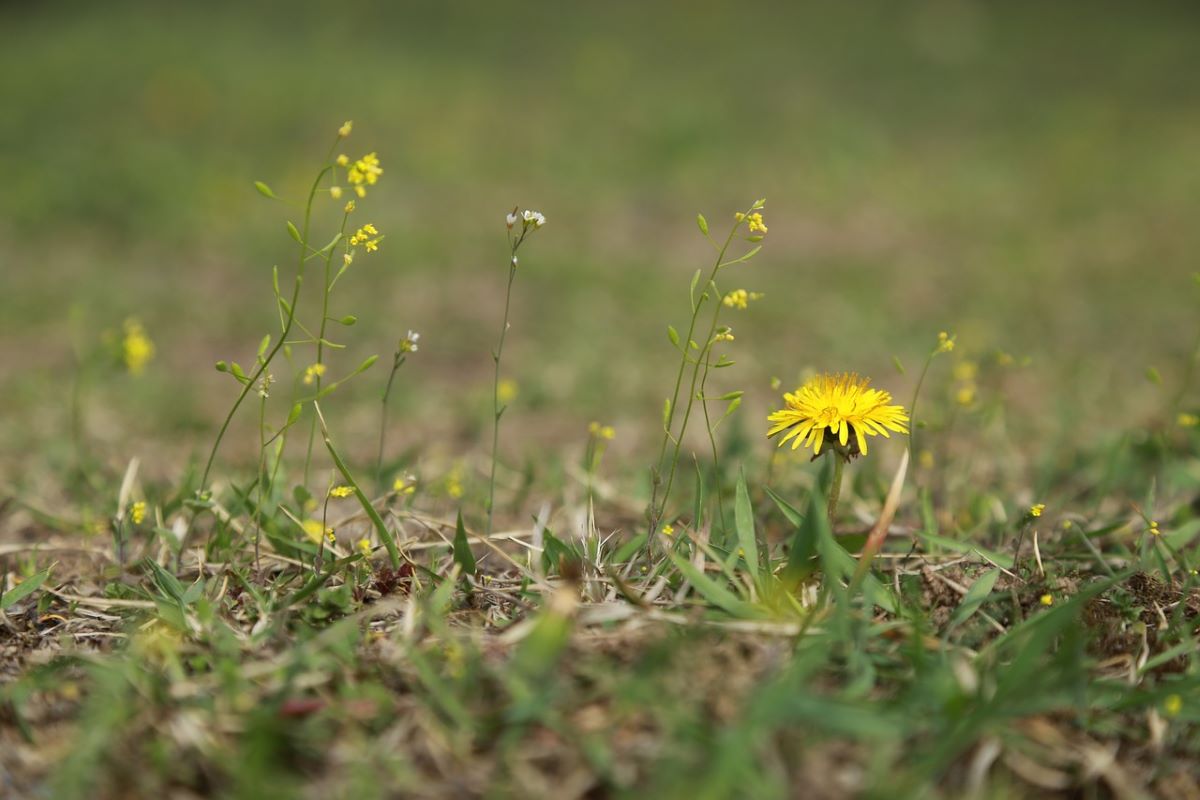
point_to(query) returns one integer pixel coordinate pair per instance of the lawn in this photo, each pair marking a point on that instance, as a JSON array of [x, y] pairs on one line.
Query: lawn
[[551, 562]]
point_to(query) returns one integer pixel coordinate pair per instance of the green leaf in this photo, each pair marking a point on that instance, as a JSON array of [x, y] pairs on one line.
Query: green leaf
[[692, 288], [713, 592], [462, 548], [702, 223], [264, 190], [973, 599], [673, 335], [743, 517], [294, 414], [294, 232], [25, 588], [263, 345]]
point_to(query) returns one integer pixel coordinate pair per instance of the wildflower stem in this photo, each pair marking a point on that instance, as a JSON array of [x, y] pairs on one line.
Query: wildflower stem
[[397, 361], [497, 411], [326, 291], [712, 438], [656, 506], [287, 325], [912, 407]]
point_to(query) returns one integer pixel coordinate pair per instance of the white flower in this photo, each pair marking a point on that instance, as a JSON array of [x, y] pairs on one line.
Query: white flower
[[511, 218], [534, 218], [409, 343]]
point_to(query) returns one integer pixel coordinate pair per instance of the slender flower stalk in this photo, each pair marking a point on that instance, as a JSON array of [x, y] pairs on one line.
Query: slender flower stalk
[[529, 221], [752, 219], [405, 346]]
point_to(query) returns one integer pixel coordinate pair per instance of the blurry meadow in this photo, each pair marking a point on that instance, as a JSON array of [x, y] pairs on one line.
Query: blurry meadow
[[1022, 181]]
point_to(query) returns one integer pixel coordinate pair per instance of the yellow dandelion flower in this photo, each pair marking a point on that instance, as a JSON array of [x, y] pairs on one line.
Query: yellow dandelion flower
[[1046, 600], [312, 372], [347, 126], [837, 406], [341, 491], [363, 546], [1187, 420], [1036, 509], [136, 347], [335, 192], [137, 512], [1173, 705]]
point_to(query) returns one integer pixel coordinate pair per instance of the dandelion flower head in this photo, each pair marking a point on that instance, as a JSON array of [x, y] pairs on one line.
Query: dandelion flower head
[[840, 406]]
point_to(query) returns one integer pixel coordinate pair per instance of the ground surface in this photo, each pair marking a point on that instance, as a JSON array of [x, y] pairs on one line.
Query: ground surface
[[1026, 180]]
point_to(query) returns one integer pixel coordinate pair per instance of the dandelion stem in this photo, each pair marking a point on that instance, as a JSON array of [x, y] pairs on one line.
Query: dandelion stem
[[835, 485]]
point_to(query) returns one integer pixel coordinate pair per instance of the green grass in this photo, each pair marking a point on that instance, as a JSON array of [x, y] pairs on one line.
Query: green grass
[[1022, 177]]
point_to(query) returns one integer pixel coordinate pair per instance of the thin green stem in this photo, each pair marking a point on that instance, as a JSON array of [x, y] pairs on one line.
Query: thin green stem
[[397, 360], [497, 411], [912, 407]]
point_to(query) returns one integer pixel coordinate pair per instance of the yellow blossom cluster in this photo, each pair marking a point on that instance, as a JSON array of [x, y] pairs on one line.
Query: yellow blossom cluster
[[362, 173], [740, 298], [137, 513], [315, 530], [312, 372], [754, 221], [341, 491], [405, 484], [368, 236], [599, 431]]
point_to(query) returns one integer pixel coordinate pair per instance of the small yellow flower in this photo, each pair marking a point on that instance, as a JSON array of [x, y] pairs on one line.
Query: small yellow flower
[[1036, 509], [945, 342], [1187, 420], [364, 236], [668, 530], [507, 390], [1173, 705], [138, 512], [364, 546], [365, 170], [349, 206], [724, 335], [599, 431], [1046, 600], [965, 395], [335, 192], [136, 347], [837, 406], [315, 531], [754, 221], [1154, 531], [454, 486], [312, 372], [343, 160], [347, 259], [406, 484], [347, 126], [965, 370], [341, 491]]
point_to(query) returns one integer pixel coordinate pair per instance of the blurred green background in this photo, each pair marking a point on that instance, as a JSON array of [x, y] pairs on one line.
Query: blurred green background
[[1027, 175]]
